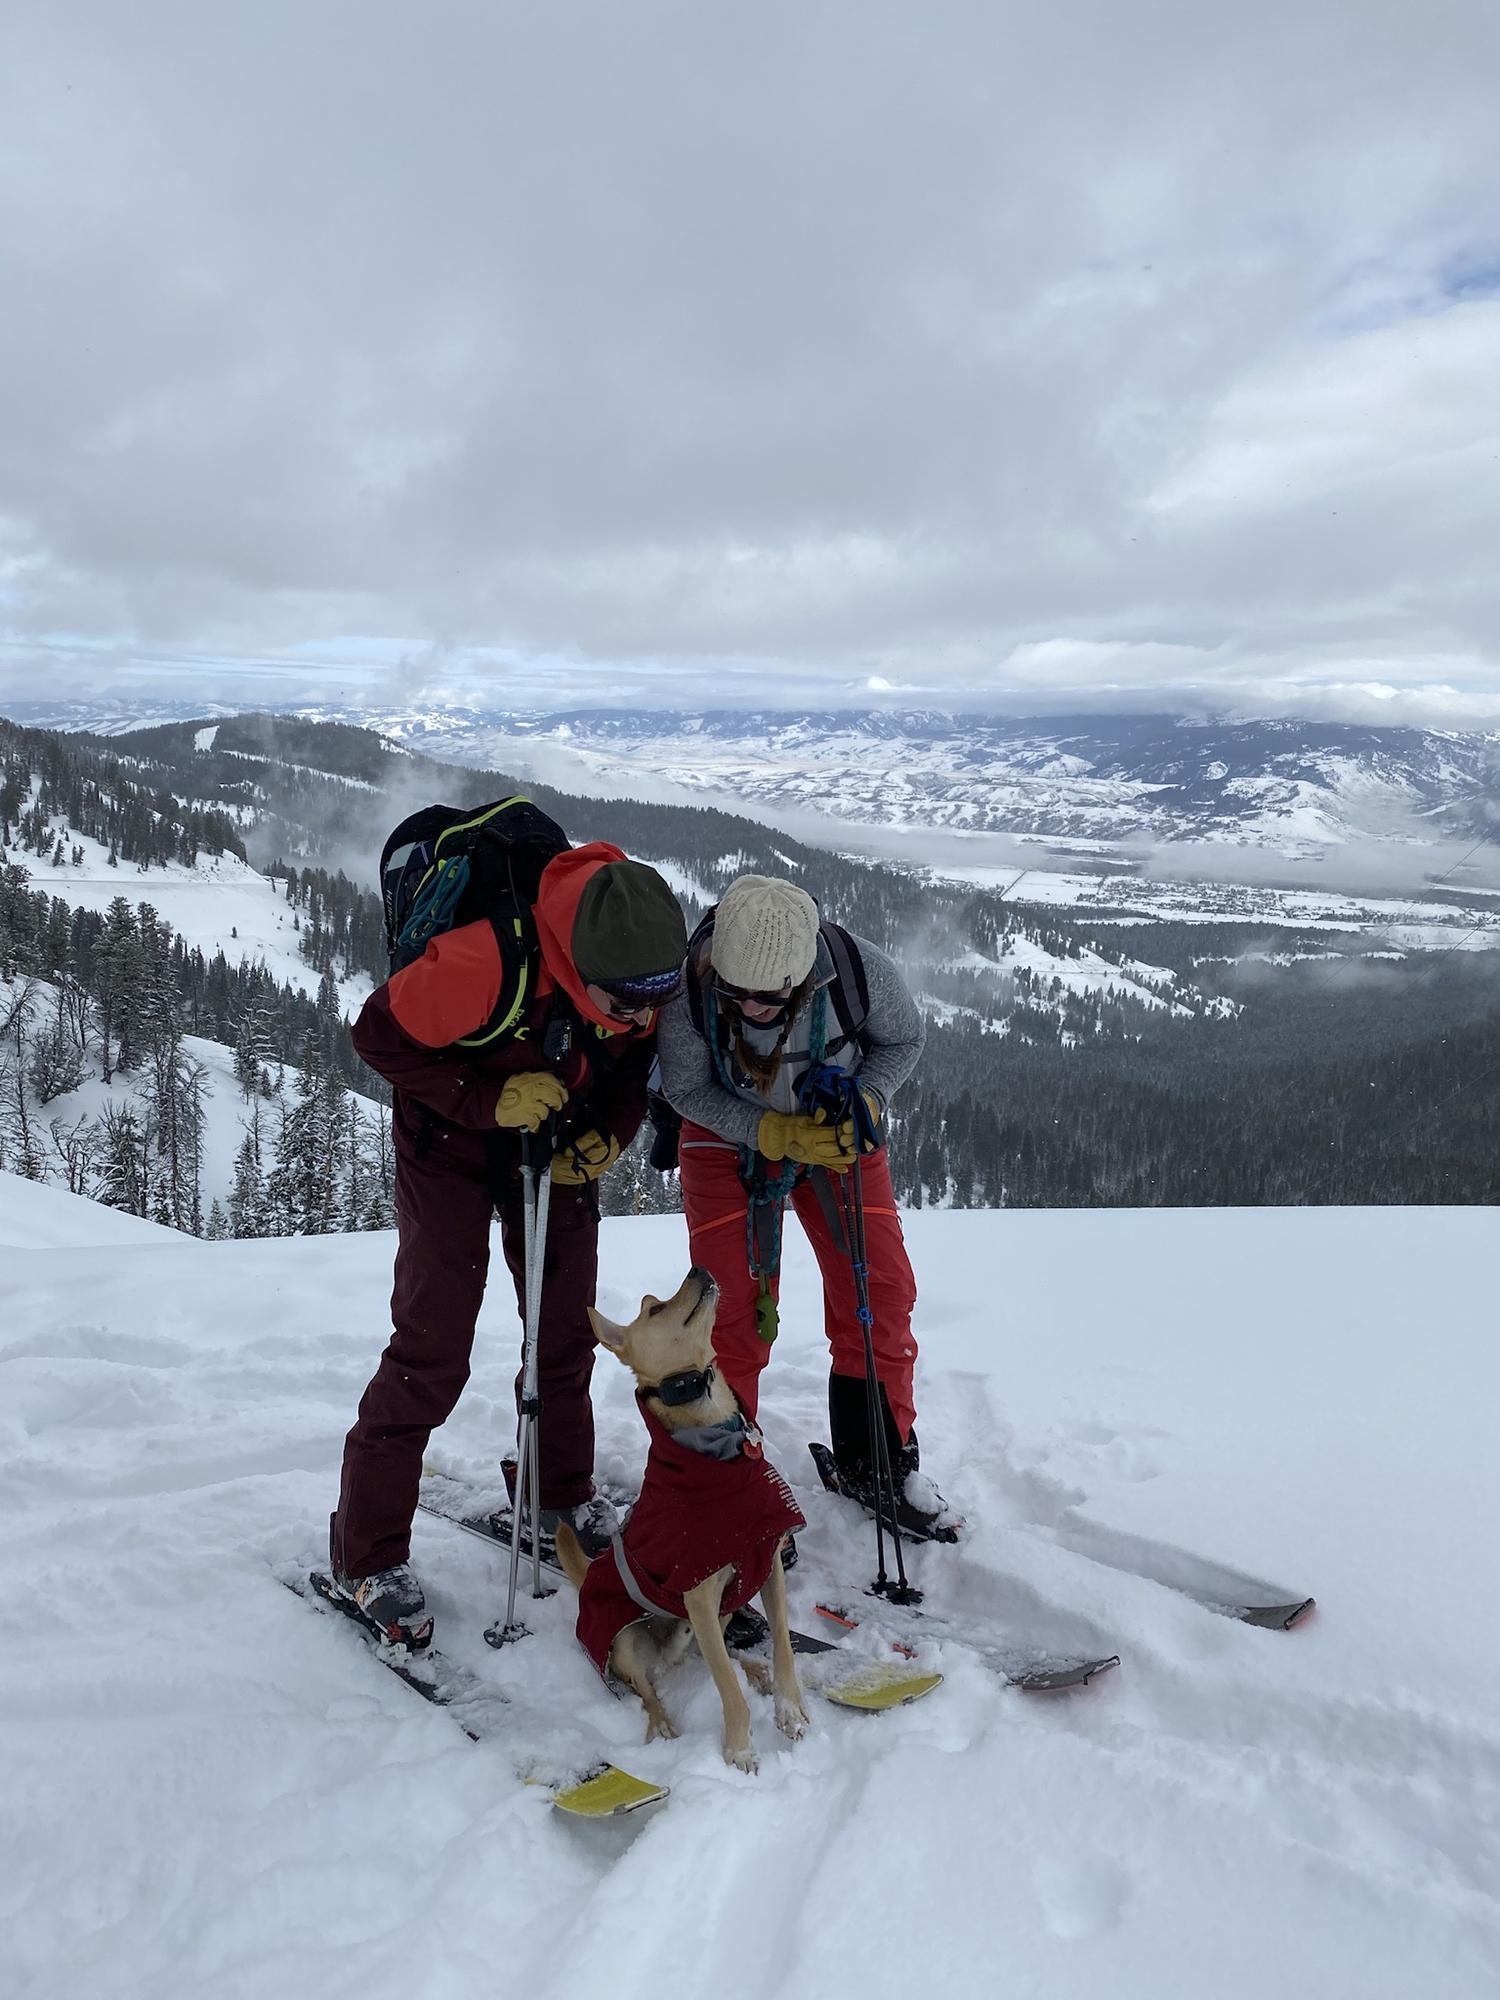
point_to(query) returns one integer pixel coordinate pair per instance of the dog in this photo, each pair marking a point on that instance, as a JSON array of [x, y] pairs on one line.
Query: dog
[[705, 1536]]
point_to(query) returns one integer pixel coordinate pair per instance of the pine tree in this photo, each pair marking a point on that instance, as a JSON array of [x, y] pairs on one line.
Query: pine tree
[[248, 1208], [124, 1154], [55, 1064], [304, 1188]]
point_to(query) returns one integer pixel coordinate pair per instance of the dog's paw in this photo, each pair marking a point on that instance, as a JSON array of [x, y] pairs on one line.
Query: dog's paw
[[743, 1757], [758, 1674], [791, 1718], [661, 1724]]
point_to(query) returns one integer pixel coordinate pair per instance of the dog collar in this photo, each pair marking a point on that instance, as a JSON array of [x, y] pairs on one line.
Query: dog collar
[[689, 1385], [729, 1439]]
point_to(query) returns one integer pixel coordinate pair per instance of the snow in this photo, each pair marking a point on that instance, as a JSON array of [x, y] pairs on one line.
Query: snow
[[681, 881], [1420, 924], [36, 1217], [212, 1790], [203, 739]]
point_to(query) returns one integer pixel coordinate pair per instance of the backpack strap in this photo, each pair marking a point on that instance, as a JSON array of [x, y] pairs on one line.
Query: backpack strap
[[520, 963], [850, 991], [699, 970]]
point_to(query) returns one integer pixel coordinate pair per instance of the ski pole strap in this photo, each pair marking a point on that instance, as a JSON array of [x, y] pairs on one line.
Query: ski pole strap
[[835, 1093]]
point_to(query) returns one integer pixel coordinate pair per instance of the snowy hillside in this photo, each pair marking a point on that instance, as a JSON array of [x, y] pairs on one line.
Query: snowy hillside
[[67, 1138], [219, 904], [212, 1791]]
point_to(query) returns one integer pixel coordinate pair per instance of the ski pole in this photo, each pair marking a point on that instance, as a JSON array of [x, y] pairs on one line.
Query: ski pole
[[536, 1196], [900, 1592]]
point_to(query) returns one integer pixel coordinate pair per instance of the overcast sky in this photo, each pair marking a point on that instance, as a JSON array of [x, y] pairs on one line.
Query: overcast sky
[[1118, 351]]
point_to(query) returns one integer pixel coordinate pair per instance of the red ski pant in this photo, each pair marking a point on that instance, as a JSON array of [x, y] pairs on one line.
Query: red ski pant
[[716, 1204], [443, 1213]]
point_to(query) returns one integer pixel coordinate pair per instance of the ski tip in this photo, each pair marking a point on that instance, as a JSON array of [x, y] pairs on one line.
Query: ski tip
[[1057, 1680], [1277, 1617], [606, 1792], [881, 1688], [822, 1458]]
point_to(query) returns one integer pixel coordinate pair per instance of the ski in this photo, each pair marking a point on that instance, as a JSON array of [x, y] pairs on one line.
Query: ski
[[828, 1473], [1269, 1617], [872, 1687], [1037, 1675], [491, 1525], [602, 1791]]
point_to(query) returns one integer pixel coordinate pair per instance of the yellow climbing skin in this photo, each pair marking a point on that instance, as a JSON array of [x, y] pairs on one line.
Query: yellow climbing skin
[[605, 1793], [882, 1687]]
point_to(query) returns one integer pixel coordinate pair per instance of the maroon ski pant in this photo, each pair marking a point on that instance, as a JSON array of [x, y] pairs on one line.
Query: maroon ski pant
[[443, 1213]]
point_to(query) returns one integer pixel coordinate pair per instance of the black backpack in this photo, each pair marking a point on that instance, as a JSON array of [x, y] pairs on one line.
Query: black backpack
[[450, 865]]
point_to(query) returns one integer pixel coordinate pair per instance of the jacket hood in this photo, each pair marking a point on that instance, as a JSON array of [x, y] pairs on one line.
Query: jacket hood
[[563, 883]]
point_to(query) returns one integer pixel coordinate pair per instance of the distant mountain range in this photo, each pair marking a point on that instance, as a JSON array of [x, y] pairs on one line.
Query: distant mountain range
[[1290, 788]]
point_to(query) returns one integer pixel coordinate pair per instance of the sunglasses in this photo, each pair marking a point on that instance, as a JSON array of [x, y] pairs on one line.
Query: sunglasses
[[741, 994], [625, 1005]]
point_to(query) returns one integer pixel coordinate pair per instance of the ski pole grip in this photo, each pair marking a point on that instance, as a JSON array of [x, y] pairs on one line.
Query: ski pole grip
[[538, 1147]]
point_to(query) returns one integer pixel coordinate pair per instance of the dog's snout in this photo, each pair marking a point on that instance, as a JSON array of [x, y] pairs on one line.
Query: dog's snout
[[699, 1276]]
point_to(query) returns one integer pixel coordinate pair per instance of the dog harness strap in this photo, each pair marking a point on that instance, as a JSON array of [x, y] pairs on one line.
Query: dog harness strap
[[632, 1585]]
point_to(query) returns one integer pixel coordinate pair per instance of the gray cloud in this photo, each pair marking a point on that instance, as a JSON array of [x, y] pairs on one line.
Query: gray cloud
[[1018, 354]]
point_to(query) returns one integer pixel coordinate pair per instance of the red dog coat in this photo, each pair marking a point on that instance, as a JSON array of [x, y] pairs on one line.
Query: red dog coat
[[695, 1514]]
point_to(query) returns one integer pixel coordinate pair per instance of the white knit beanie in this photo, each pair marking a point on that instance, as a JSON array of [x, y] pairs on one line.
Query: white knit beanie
[[765, 933]]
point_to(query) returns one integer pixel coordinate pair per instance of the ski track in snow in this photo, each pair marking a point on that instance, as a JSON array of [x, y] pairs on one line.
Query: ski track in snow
[[213, 1790]]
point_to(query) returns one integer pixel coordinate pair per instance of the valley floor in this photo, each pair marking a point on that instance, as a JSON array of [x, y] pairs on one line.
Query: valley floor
[[211, 1791]]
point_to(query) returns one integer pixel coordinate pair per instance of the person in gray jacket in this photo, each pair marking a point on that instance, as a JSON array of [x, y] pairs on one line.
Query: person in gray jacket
[[770, 993]]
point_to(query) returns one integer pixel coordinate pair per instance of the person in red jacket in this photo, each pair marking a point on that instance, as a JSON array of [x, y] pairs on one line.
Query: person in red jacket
[[610, 946]]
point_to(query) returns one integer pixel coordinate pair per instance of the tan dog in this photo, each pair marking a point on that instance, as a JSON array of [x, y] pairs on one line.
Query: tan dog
[[709, 1498]]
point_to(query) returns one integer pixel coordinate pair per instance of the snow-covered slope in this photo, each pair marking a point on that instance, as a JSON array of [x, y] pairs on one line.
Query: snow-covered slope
[[210, 1790], [219, 904], [37, 1217], [226, 1113]]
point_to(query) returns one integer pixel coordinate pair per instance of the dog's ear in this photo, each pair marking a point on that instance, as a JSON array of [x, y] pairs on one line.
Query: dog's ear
[[607, 1333]]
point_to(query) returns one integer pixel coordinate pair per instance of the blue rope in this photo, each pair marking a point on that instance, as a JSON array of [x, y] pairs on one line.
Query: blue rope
[[765, 1192], [433, 909]]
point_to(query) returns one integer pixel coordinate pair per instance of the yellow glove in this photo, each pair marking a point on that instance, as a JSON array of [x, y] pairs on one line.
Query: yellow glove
[[792, 1135], [529, 1099], [585, 1158]]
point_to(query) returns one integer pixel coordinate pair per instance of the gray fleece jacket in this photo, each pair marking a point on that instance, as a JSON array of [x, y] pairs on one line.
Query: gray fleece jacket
[[894, 1027]]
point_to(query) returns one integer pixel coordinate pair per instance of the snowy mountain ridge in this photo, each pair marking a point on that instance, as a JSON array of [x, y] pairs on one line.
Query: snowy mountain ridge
[[1277, 785], [1295, 789]]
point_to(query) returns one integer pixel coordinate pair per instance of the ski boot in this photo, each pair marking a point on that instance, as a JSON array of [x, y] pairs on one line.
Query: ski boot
[[594, 1521], [922, 1514], [745, 1630], [391, 1603]]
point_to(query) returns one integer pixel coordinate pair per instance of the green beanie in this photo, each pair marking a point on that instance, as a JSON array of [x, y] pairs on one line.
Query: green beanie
[[627, 925]]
